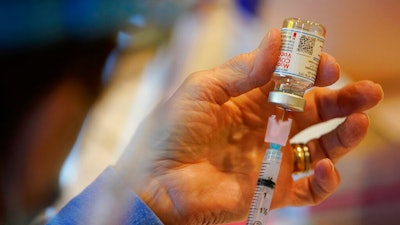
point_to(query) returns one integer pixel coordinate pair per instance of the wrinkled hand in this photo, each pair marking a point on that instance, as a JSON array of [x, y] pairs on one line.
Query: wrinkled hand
[[196, 158]]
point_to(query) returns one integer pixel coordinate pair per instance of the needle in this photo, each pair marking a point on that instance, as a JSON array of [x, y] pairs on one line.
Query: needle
[[283, 115]]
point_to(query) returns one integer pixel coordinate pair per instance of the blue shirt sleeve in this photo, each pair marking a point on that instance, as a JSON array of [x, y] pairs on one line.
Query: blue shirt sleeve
[[106, 201]]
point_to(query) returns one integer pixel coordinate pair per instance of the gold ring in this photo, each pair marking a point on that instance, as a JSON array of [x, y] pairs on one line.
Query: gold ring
[[302, 157]]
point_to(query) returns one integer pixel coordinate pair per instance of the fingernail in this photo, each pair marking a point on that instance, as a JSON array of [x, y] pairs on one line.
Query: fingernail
[[381, 90], [332, 167], [321, 172], [338, 66], [266, 39]]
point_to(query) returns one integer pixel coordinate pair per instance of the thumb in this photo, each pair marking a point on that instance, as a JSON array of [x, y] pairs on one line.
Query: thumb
[[250, 70], [241, 73]]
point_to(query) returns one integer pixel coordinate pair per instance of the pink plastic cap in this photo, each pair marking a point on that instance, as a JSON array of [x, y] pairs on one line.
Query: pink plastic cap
[[277, 131]]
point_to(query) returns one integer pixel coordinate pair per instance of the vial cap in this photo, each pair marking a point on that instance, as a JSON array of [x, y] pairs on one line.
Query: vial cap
[[287, 101]]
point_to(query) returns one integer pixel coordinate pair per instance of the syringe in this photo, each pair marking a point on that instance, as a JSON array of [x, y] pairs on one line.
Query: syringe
[[277, 135]]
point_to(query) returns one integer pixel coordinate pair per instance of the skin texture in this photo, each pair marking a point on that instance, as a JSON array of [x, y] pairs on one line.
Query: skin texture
[[196, 158]]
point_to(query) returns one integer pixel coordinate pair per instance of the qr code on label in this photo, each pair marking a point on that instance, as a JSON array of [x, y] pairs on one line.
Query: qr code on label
[[306, 44]]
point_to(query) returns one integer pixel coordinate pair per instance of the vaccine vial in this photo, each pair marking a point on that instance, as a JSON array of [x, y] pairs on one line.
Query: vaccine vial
[[302, 42]]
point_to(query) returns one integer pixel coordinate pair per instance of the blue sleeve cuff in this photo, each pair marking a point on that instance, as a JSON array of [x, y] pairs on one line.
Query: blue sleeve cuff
[[106, 201]]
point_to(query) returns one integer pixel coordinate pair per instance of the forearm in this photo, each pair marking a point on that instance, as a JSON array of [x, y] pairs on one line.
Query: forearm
[[106, 201]]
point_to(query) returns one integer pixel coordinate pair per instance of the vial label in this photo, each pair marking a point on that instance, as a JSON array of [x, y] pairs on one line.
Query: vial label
[[300, 53]]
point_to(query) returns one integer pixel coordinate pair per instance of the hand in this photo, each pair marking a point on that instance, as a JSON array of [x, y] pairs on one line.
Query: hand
[[196, 158]]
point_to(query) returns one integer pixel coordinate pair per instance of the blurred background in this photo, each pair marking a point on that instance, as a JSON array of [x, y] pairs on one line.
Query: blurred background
[[176, 38]]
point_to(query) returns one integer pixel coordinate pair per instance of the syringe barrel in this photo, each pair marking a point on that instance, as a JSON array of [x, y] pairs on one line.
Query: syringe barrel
[[265, 187]]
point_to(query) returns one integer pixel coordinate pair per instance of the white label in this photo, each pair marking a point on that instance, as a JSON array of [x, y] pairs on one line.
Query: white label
[[300, 53]]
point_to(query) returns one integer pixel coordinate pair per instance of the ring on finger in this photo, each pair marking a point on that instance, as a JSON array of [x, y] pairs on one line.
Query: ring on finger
[[302, 157]]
